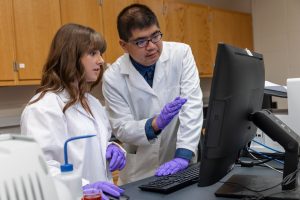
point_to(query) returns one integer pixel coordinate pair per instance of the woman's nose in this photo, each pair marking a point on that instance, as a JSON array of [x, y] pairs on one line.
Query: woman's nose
[[100, 60]]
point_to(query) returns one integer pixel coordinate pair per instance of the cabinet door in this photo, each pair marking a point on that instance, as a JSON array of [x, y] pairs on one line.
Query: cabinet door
[[188, 23], [6, 43], [87, 12], [35, 25], [110, 10], [232, 28]]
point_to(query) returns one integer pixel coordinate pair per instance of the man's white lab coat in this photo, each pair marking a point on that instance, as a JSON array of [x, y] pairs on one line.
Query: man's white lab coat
[[131, 101]]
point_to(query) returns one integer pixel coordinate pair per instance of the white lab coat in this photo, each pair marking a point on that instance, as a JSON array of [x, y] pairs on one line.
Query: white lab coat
[[46, 122], [131, 101]]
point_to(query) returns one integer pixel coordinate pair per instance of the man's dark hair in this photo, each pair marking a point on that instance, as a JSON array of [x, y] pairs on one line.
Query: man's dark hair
[[135, 16]]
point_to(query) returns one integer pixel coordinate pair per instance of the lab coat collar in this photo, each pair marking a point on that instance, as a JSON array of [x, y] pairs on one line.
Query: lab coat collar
[[135, 77], [80, 109], [137, 80], [164, 56], [160, 70], [65, 97], [126, 68]]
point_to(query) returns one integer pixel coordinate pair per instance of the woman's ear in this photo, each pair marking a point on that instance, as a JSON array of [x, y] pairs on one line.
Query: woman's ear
[[123, 44]]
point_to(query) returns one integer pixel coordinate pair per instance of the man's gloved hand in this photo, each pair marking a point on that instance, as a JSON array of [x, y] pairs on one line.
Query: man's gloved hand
[[106, 187], [171, 167], [116, 156], [169, 111]]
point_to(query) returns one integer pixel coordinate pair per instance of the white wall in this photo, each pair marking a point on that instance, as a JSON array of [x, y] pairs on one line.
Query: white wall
[[277, 36]]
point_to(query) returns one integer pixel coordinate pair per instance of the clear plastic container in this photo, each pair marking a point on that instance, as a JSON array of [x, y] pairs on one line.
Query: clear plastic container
[[91, 194]]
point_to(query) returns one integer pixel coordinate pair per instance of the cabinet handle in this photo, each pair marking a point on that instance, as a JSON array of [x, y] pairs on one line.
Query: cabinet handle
[[164, 9], [100, 2], [17, 66]]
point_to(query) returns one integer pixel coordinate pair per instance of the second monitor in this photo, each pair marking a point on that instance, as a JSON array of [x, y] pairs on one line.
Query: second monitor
[[234, 111]]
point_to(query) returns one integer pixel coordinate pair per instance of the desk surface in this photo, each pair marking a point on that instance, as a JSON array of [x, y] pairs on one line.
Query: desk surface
[[193, 192]]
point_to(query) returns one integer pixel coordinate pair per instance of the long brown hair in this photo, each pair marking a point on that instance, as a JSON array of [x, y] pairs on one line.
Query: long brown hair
[[63, 69]]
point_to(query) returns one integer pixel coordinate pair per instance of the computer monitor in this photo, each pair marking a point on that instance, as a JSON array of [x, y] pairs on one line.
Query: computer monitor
[[234, 113], [237, 90]]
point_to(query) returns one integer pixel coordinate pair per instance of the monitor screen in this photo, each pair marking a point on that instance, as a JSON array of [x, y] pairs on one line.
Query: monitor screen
[[237, 90]]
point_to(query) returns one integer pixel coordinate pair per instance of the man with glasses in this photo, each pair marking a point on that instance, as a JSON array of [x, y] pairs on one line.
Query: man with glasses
[[153, 98]]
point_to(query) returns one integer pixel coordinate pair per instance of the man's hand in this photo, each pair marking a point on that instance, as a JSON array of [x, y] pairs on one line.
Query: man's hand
[[169, 111], [173, 166]]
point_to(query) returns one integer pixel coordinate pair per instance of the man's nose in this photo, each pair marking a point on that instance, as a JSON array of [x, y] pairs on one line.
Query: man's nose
[[150, 45]]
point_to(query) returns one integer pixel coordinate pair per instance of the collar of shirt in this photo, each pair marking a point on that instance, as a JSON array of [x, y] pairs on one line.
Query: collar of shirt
[[142, 69], [146, 71]]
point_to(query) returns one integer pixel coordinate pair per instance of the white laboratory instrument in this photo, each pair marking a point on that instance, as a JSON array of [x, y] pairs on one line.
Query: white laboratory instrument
[[24, 173], [293, 92], [291, 118]]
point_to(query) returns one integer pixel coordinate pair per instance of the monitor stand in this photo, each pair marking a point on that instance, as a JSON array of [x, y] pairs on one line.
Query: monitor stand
[[247, 185], [236, 187]]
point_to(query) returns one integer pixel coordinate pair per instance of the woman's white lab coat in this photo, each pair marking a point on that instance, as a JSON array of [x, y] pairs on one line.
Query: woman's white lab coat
[[46, 122], [131, 101]]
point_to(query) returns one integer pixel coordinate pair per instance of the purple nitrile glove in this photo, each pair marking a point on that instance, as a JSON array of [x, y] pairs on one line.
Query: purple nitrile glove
[[107, 187], [171, 167], [116, 156], [169, 111]]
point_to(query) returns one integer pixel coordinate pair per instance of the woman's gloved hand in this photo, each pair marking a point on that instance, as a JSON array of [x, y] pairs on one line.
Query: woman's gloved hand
[[106, 187], [169, 111], [116, 157], [171, 167]]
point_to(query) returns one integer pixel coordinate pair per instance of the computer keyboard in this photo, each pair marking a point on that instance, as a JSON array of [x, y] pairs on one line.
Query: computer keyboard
[[171, 183]]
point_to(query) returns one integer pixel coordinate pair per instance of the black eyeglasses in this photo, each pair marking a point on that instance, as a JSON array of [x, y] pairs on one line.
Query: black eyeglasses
[[144, 42]]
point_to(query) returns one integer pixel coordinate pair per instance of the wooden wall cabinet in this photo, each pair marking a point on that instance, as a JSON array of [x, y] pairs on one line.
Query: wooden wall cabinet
[[203, 27], [85, 12], [28, 32], [28, 28], [35, 25], [189, 23], [7, 45], [233, 28]]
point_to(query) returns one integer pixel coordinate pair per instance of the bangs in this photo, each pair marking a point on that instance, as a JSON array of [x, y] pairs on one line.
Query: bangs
[[97, 42]]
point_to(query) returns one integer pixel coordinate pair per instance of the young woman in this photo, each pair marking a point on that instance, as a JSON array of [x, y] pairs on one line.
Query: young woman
[[64, 108]]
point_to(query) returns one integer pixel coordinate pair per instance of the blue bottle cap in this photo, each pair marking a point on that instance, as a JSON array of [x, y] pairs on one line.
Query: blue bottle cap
[[66, 168]]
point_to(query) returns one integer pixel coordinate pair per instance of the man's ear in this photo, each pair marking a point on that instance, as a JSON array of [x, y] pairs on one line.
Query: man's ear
[[123, 44]]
